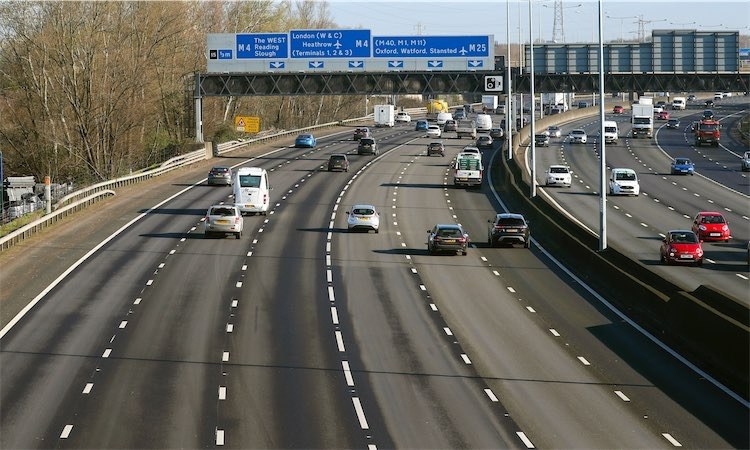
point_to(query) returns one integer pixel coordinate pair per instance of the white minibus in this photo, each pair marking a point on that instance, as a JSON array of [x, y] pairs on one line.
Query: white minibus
[[251, 190]]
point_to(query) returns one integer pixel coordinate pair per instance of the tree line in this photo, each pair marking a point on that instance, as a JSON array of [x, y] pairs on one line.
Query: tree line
[[94, 90]]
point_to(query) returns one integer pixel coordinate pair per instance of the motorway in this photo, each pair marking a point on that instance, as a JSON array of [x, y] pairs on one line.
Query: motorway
[[635, 226], [300, 335]]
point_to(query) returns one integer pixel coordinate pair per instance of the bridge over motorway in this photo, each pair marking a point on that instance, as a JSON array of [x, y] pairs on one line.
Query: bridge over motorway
[[464, 82]]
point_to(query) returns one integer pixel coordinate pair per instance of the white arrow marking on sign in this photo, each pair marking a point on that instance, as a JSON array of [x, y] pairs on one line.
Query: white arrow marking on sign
[[435, 63], [356, 63], [395, 63], [277, 65], [475, 63], [316, 64]]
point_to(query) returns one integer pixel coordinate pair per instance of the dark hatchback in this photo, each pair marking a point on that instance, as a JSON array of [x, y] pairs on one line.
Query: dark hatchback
[[367, 146], [449, 125], [220, 176], [338, 161], [508, 228], [435, 148], [447, 238]]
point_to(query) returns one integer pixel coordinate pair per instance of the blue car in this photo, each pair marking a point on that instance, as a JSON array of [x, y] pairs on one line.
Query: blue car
[[305, 140], [422, 125], [683, 166]]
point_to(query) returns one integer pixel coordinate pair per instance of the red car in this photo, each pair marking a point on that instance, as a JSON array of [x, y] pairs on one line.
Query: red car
[[681, 247], [618, 110], [711, 226], [664, 115]]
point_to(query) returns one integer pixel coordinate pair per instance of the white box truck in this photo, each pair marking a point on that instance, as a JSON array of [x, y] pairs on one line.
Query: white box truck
[[679, 103], [642, 119], [385, 115], [489, 103]]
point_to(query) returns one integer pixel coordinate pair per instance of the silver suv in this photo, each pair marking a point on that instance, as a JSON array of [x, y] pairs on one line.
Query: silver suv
[[746, 162], [366, 146]]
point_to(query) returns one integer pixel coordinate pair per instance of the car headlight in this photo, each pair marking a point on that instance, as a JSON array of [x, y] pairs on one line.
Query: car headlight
[[724, 228], [702, 227]]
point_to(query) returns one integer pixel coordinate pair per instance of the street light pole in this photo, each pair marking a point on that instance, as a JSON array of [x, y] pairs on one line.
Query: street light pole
[[533, 102], [602, 144], [508, 134]]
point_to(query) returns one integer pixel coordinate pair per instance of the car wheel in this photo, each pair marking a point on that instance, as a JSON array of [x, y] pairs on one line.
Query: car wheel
[[465, 252], [377, 230], [207, 235], [238, 234], [526, 244], [699, 263]]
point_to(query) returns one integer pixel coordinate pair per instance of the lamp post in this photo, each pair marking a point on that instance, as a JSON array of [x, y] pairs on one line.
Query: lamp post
[[602, 144], [621, 19], [533, 102], [508, 81]]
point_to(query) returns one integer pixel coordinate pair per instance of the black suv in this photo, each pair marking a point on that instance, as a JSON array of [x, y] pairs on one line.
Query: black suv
[[435, 148], [449, 125], [508, 228], [367, 146]]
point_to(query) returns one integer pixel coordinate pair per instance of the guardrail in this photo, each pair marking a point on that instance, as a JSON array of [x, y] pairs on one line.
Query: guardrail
[[84, 197]]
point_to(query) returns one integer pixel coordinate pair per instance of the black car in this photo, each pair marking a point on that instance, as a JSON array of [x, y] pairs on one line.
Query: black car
[[338, 161], [709, 103], [508, 228], [435, 148], [367, 146], [497, 133], [447, 237], [449, 125], [708, 114]]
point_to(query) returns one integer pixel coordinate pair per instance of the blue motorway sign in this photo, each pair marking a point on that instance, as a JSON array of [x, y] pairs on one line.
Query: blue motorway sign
[[431, 46], [330, 43], [262, 46]]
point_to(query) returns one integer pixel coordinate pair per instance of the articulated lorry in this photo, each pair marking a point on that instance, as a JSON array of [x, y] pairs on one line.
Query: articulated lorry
[[642, 119]]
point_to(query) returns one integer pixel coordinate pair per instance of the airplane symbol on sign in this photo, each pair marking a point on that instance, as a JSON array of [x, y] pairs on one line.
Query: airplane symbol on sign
[[463, 51], [338, 45]]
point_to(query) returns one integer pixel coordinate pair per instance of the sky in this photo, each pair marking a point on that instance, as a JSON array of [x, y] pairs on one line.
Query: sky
[[580, 24]]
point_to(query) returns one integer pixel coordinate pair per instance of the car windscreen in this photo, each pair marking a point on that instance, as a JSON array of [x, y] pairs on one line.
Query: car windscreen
[[624, 176], [558, 170], [687, 238]]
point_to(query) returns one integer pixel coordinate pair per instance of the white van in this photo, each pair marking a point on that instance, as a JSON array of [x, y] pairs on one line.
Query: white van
[[484, 122], [443, 117], [624, 181], [251, 190], [611, 133]]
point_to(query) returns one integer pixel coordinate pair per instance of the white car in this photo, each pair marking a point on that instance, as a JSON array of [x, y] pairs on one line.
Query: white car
[[222, 220], [554, 131], [434, 131], [624, 182], [362, 218], [403, 117], [578, 137], [558, 175]]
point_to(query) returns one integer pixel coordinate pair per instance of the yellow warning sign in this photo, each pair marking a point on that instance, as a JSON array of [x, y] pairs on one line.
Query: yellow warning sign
[[247, 124]]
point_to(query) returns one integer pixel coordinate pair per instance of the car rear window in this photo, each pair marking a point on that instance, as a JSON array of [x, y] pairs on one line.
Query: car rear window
[[338, 157], [363, 211], [449, 232], [510, 221], [222, 211]]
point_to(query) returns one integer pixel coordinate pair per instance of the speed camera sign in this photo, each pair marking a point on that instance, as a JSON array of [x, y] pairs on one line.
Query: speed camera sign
[[493, 83]]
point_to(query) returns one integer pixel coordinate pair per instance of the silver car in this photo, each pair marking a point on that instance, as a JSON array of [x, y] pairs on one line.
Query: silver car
[[223, 220], [363, 218]]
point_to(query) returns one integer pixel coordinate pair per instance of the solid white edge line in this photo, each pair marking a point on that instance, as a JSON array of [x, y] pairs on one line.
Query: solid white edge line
[[83, 258]]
